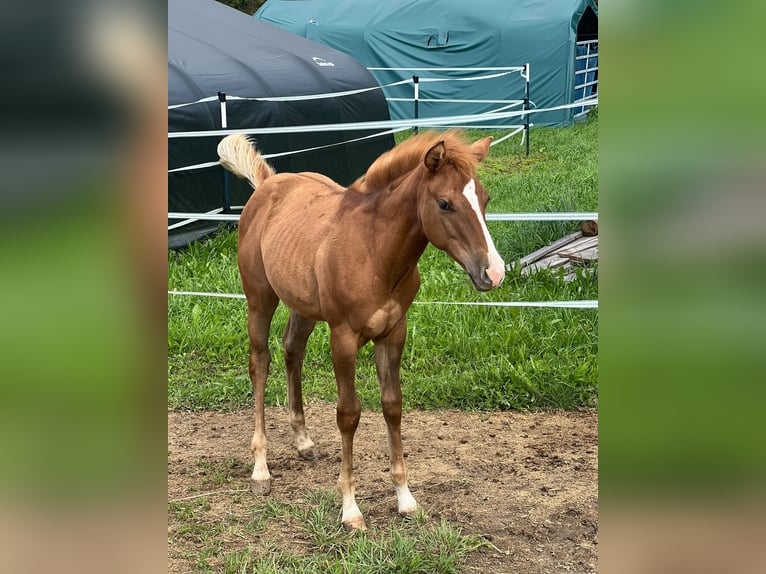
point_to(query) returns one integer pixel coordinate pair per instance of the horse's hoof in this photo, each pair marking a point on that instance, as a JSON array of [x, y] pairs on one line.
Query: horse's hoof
[[309, 453], [355, 524], [408, 512], [260, 487], [306, 448]]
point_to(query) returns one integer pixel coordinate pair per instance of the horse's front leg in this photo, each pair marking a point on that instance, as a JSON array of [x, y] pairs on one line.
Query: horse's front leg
[[345, 344], [388, 357]]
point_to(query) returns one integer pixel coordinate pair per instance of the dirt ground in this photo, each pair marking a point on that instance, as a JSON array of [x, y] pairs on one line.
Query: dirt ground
[[525, 482]]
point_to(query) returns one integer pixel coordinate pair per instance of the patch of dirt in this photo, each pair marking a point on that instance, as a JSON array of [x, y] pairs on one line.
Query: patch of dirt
[[527, 483]]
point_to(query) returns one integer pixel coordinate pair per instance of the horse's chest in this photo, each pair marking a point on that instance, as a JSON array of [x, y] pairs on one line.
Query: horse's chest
[[383, 319]]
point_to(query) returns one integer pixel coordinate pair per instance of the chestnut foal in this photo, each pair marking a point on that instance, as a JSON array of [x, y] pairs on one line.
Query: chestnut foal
[[348, 256]]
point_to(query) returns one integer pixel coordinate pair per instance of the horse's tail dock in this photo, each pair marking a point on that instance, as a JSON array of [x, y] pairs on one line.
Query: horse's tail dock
[[239, 156]]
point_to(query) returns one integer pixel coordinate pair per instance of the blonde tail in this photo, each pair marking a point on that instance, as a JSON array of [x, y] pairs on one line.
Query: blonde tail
[[242, 159]]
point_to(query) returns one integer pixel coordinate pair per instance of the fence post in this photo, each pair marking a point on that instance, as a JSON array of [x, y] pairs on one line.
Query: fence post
[[526, 105], [416, 84], [224, 125]]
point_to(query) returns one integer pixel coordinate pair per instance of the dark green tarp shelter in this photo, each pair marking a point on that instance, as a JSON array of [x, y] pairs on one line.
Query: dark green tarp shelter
[[455, 33], [213, 48]]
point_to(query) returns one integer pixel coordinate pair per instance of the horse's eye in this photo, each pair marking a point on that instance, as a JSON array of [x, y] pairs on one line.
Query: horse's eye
[[444, 205]]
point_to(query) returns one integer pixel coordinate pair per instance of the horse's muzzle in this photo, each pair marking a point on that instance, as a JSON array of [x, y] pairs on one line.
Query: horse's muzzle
[[495, 274], [486, 280]]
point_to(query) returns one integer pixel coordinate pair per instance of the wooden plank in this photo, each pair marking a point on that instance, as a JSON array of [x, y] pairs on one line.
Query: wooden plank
[[579, 245], [584, 256], [572, 273], [550, 262], [581, 251], [542, 252]]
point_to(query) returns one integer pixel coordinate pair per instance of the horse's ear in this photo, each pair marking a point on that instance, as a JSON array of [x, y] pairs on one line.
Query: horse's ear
[[435, 157], [481, 147]]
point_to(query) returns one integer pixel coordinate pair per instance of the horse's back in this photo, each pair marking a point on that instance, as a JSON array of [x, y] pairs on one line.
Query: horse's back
[[283, 191], [286, 221]]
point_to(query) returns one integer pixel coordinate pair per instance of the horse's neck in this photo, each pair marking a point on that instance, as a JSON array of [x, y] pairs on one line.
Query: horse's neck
[[399, 240]]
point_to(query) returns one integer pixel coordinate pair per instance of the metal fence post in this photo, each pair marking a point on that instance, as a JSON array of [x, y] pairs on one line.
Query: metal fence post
[[526, 105], [224, 125], [416, 84]]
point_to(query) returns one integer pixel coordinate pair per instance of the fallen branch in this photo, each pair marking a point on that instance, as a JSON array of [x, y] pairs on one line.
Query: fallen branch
[[210, 494]]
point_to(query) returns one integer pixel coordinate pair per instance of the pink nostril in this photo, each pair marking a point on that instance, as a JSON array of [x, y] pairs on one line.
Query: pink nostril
[[495, 274]]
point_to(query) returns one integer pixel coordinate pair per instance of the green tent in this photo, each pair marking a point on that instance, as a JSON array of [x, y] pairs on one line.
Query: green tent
[[557, 38]]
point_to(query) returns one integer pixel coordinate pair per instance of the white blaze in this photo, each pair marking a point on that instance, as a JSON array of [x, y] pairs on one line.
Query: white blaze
[[496, 270]]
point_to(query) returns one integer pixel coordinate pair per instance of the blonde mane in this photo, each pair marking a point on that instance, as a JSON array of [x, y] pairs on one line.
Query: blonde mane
[[410, 154]]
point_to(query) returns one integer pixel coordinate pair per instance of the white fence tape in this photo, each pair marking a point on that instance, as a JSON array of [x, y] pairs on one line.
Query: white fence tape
[[470, 79], [291, 152], [195, 166], [542, 216], [449, 101], [507, 69], [377, 125], [379, 134], [192, 220], [551, 216], [326, 95], [583, 304], [503, 71], [204, 216], [291, 98]]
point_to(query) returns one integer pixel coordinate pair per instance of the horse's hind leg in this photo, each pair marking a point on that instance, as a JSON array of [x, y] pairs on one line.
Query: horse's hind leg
[[295, 337], [388, 356], [259, 314]]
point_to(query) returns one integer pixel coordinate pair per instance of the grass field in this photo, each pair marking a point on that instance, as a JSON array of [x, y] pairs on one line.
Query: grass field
[[415, 545], [485, 358]]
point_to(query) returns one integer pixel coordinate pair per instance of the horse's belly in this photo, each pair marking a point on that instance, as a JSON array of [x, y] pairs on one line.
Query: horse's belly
[[288, 261], [296, 289]]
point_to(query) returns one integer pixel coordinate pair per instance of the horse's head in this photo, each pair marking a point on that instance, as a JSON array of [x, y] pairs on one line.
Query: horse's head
[[451, 208]]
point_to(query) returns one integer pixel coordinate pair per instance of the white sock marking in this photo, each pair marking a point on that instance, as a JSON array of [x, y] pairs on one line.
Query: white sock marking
[[405, 500]]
